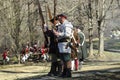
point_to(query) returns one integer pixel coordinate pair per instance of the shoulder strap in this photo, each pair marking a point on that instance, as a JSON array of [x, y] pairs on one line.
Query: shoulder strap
[[74, 37]]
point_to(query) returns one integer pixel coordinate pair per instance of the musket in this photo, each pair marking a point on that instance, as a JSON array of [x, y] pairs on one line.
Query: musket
[[55, 3], [50, 17], [49, 12], [43, 21]]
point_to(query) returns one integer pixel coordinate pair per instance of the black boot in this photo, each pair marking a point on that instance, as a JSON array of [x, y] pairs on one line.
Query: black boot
[[68, 73], [64, 72], [59, 68], [55, 68], [52, 70]]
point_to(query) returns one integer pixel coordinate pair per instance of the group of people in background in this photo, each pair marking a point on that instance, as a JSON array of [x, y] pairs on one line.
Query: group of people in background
[[28, 50], [60, 47]]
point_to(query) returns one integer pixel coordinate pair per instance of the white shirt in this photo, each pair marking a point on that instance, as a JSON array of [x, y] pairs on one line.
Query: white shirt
[[65, 30]]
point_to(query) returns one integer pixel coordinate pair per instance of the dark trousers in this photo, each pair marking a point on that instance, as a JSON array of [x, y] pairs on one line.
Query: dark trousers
[[56, 68]]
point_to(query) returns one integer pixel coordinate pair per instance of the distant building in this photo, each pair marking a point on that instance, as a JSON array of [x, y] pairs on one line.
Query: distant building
[[115, 34]]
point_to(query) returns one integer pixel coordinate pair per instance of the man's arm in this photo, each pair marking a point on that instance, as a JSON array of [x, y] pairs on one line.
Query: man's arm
[[83, 39]]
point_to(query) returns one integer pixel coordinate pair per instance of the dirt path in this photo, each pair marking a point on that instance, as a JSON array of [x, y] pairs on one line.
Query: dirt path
[[89, 69], [21, 71]]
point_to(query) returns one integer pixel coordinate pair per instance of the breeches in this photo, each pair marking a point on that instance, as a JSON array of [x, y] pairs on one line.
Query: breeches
[[7, 58], [65, 57]]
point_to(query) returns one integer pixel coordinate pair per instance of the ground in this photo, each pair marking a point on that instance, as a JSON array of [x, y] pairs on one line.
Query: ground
[[90, 71]]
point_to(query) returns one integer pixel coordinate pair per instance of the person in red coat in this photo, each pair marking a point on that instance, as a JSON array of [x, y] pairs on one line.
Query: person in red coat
[[5, 55], [56, 64]]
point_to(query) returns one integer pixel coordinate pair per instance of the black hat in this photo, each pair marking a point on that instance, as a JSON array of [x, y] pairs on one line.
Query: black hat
[[55, 18]]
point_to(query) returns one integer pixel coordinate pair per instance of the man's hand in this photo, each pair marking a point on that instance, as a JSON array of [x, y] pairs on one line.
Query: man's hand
[[45, 28], [77, 44], [55, 32]]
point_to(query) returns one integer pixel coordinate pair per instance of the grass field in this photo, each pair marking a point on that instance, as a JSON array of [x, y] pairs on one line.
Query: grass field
[[109, 56], [108, 44]]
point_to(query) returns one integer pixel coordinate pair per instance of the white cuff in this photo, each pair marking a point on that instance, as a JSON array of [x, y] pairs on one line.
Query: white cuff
[[80, 45]]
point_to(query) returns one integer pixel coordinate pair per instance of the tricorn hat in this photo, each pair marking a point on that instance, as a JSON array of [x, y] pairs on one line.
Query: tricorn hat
[[62, 15]]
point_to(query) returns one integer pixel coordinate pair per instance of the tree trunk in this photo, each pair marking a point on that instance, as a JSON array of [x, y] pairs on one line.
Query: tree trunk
[[30, 25], [17, 27], [90, 43], [101, 39], [101, 29], [90, 19]]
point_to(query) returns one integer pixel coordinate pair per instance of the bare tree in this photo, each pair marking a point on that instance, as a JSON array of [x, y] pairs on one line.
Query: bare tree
[[101, 9], [90, 29], [16, 30], [32, 20], [118, 2], [5, 23]]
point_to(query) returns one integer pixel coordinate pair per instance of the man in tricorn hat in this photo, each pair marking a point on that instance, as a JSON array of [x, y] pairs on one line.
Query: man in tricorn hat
[[64, 34], [56, 66]]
